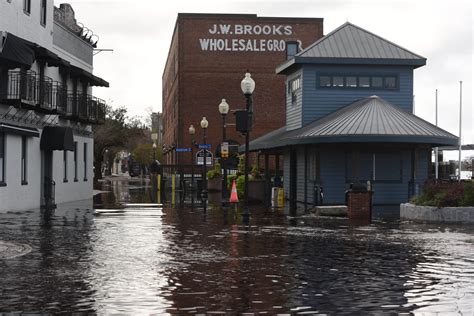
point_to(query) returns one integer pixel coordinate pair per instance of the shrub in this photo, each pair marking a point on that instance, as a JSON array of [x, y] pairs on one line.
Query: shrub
[[445, 194], [214, 172]]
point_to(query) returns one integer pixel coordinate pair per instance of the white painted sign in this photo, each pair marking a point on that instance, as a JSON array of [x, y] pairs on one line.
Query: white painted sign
[[232, 38]]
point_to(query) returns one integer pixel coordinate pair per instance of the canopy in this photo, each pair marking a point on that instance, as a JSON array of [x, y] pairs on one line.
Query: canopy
[[57, 138]]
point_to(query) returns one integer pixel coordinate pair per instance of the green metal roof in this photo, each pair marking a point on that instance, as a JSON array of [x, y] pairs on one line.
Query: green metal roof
[[370, 120]]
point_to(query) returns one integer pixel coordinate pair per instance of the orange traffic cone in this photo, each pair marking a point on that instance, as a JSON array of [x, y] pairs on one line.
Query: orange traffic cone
[[234, 198]]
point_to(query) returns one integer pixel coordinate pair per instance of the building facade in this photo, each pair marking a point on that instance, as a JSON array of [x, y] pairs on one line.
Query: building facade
[[46, 106], [349, 119], [208, 57]]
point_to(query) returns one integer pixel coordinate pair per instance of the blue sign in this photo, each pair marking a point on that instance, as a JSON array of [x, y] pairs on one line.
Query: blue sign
[[183, 150], [204, 146]]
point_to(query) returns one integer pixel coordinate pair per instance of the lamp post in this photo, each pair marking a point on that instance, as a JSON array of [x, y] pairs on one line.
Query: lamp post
[[248, 86], [204, 125], [192, 131], [224, 109], [154, 137]]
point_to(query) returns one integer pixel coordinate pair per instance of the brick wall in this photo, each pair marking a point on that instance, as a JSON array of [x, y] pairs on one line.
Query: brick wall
[[359, 206], [212, 64]]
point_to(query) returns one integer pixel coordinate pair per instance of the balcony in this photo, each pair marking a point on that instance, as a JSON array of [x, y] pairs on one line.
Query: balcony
[[26, 90], [85, 108]]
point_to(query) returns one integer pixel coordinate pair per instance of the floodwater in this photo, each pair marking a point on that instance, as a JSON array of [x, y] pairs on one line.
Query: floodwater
[[154, 260]]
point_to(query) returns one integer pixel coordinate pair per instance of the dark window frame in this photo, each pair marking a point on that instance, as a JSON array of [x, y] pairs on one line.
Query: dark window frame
[[349, 159], [65, 165], [43, 12], [3, 160], [75, 162], [293, 86], [24, 160], [85, 161], [27, 6], [358, 76], [291, 44]]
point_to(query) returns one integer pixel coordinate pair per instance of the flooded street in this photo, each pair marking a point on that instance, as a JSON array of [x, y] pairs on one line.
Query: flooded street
[[154, 260]]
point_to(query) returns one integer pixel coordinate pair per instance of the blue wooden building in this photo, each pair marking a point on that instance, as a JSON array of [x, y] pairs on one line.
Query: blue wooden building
[[349, 118]]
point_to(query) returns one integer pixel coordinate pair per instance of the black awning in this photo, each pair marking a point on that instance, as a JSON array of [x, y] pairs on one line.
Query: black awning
[[57, 138], [93, 80], [15, 50], [51, 58], [19, 130]]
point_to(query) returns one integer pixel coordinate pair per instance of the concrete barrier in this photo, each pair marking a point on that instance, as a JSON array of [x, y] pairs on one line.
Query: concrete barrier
[[461, 215], [330, 210]]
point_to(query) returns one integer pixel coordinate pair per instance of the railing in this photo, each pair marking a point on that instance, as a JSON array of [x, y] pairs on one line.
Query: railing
[[27, 90], [45, 93], [21, 87], [86, 108], [59, 98]]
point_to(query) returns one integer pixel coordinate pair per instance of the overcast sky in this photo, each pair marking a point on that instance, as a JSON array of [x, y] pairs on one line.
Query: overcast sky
[[140, 33]]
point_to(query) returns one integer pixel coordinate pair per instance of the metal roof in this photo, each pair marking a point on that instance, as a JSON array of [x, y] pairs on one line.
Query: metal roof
[[350, 43], [370, 120]]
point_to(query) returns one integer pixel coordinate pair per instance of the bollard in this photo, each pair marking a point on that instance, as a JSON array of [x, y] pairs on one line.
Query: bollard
[[281, 197], [158, 189], [173, 188], [275, 196]]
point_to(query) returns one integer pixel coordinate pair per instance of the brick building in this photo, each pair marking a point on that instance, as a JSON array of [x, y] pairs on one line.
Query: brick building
[[208, 57]]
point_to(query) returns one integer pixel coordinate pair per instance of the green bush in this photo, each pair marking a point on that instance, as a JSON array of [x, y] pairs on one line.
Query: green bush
[[214, 172], [446, 194]]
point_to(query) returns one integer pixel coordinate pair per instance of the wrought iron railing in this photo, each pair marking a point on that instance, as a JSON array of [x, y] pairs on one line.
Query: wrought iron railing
[[21, 87], [28, 89], [86, 108]]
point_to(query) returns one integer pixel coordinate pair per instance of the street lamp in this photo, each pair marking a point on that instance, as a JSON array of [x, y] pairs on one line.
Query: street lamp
[[248, 86], [154, 137], [204, 125], [192, 131], [224, 109]]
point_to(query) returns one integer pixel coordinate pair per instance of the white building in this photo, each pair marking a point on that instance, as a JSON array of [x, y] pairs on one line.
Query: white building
[[46, 106]]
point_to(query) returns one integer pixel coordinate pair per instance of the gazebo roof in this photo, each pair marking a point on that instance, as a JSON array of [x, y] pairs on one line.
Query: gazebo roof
[[370, 120]]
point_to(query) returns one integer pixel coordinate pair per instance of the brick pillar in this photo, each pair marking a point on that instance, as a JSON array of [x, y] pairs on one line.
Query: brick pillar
[[359, 206]]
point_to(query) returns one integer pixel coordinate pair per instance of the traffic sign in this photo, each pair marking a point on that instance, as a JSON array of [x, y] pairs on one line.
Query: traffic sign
[[224, 150], [183, 150], [202, 155], [204, 146]]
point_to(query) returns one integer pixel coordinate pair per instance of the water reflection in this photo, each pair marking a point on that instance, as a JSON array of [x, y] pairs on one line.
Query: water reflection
[[187, 260]]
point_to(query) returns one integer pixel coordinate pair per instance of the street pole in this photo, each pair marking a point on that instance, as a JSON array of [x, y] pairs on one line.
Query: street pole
[[247, 85], [204, 125], [224, 109], [246, 166]]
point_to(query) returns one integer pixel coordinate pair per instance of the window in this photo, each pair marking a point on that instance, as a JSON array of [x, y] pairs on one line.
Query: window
[[65, 166], [291, 49], [85, 161], [364, 82], [351, 82], [293, 86], [43, 12], [374, 166], [390, 82], [338, 81], [24, 154], [377, 82], [325, 81], [27, 6], [75, 161], [2, 159]]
